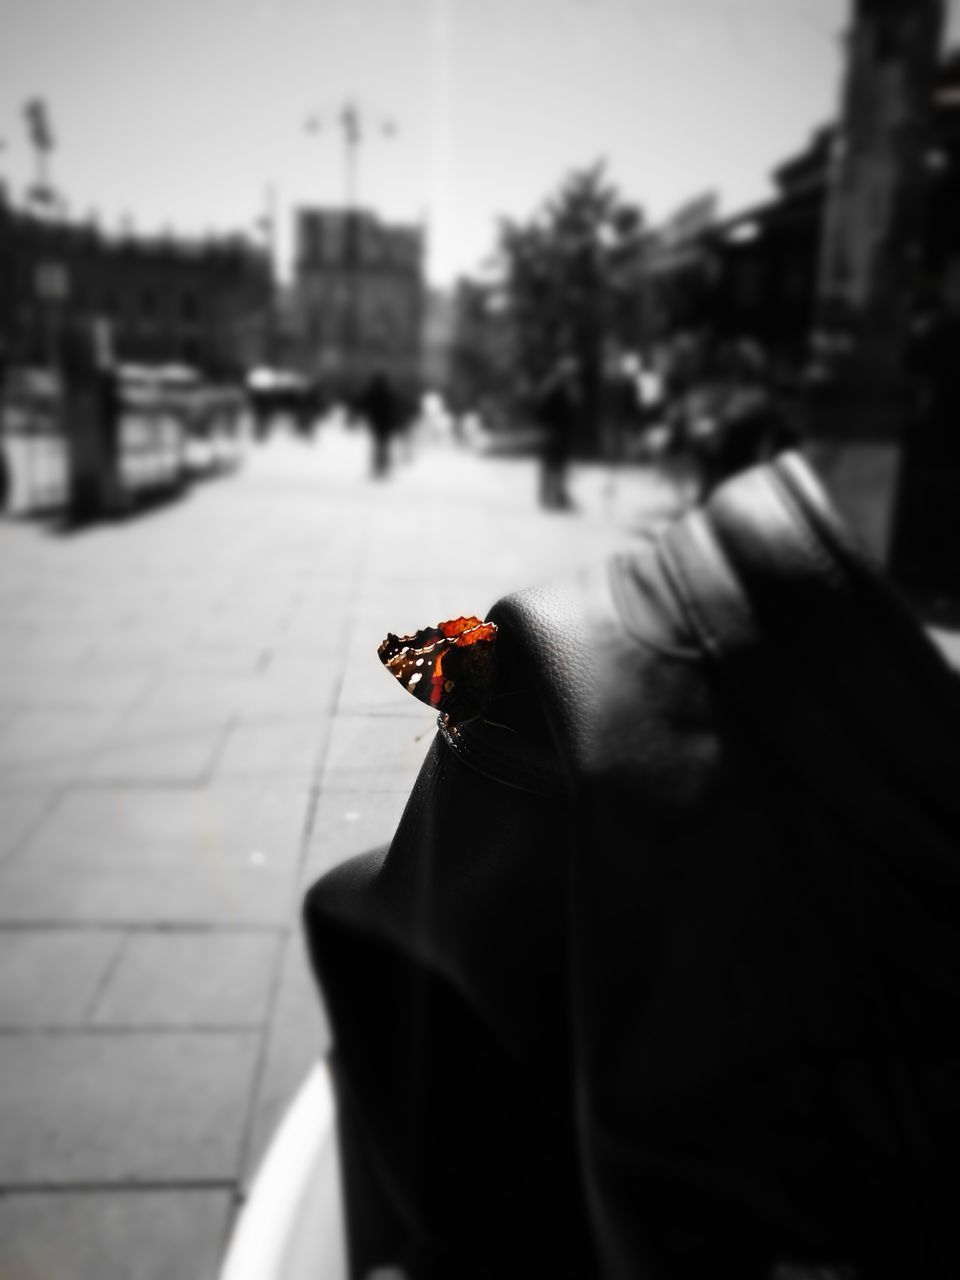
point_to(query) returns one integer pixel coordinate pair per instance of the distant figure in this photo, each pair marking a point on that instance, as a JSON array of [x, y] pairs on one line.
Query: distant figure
[[381, 407], [650, 386], [4, 473], [625, 407], [558, 409]]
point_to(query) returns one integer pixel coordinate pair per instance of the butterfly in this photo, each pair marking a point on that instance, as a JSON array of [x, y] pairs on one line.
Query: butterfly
[[450, 666]]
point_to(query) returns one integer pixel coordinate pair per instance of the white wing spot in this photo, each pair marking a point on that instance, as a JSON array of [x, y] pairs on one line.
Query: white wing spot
[[413, 679]]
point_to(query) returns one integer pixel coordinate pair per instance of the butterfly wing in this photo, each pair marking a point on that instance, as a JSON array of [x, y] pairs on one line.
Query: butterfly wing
[[449, 667]]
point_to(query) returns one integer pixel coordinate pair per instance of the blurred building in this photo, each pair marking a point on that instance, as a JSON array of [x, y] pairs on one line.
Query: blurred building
[[756, 272], [360, 297], [763, 274], [203, 302], [483, 365], [439, 340], [675, 269]]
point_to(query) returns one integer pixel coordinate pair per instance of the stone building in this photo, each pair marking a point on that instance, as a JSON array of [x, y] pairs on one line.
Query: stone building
[[202, 302], [360, 294]]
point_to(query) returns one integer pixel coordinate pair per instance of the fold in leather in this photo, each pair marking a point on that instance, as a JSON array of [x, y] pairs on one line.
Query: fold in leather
[[658, 975]]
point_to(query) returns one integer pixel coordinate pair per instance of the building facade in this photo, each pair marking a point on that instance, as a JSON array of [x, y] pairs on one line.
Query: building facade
[[204, 303], [360, 296]]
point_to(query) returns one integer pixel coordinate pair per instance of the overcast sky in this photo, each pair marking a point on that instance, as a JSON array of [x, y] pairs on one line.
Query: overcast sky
[[183, 113]]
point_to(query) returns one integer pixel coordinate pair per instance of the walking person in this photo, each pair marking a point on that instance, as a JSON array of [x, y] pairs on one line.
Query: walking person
[[380, 405], [559, 403], [4, 473]]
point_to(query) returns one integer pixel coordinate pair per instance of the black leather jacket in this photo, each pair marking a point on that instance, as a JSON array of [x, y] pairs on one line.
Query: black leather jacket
[[659, 975]]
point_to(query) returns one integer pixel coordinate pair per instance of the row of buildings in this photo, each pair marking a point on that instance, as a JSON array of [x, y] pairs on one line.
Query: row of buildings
[[165, 300], [357, 300], [760, 272]]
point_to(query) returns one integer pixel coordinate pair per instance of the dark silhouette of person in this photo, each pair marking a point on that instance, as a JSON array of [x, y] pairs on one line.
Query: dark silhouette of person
[[4, 473], [380, 406], [558, 408]]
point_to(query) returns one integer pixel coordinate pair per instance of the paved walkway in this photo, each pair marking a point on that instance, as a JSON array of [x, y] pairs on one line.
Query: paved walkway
[[193, 725]]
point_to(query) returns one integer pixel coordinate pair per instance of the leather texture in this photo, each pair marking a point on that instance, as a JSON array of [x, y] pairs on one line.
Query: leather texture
[[659, 974]]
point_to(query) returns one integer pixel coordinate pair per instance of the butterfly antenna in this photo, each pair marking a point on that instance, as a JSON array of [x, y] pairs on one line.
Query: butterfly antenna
[[495, 724]]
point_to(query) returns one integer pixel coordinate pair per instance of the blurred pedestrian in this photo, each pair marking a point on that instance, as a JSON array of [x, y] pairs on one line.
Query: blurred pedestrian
[[380, 406], [558, 406], [624, 408], [4, 472]]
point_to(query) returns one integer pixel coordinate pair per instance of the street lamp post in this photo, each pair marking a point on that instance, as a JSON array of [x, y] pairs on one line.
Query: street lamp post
[[41, 138], [355, 124]]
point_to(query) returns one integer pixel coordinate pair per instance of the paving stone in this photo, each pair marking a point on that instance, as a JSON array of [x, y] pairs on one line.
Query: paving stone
[[298, 1035], [306, 686], [47, 747], [291, 750], [49, 647], [127, 1108], [348, 823], [20, 812], [124, 1235], [155, 647], [241, 891], [161, 754], [225, 855], [171, 829], [234, 634], [315, 635], [88, 685], [177, 978], [369, 689], [379, 753], [190, 696], [49, 977]]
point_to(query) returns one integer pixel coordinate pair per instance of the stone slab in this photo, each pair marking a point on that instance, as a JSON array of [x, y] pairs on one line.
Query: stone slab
[[163, 755], [190, 695], [347, 823], [50, 977], [172, 828], [21, 812], [290, 750], [186, 979], [369, 688], [119, 1235], [47, 747], [124, 1108], [297, 1036], [376, 753], [138, 856], [241, 891], [304, 685], [47, 647], [87, 685]]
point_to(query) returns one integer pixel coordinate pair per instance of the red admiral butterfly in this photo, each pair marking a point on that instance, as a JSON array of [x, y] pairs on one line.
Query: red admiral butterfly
[[450, 666]]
